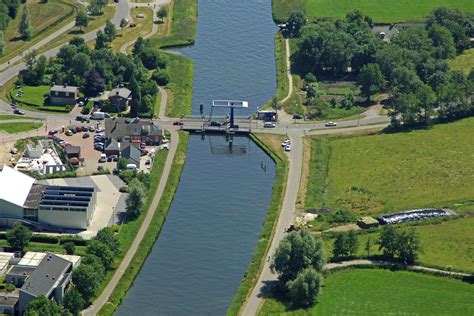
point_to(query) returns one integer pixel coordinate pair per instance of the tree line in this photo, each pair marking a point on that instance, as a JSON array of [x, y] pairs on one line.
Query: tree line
[[412, 66], [99, 69]]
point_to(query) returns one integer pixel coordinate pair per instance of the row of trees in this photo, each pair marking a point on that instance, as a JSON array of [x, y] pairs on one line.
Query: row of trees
[[412, 66], [396, 244]]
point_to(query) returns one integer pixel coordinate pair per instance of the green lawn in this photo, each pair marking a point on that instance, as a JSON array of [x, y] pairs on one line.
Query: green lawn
[[282, 77], [390, 172], [382, 11], [183, 24], [45, 19], [16, 117], [34, 99], [142, 28], [180, 87], [383, 292], [13, 128], [463, 62]]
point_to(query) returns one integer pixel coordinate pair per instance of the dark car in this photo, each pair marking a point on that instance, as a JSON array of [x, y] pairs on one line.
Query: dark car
[[143, 152], [85, 128], [297, 116], [19, 112], [53, 132], [215, 123], [81, 118], [179, 123], [86, 135]]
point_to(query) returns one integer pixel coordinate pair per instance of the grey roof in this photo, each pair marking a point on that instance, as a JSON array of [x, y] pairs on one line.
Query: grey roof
[[8, 300], [112, 144], [21, 270], [59, 88], [67, 196], [34, 197], [123, 92], [46, 276], [72, 150], [117, 127], [131, 153]]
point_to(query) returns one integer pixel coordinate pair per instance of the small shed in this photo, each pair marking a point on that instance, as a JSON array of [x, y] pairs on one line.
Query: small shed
[[73, 151], [367, 222]]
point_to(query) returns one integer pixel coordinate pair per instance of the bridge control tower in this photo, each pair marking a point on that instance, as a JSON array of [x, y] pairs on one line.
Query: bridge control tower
[[231, 104]]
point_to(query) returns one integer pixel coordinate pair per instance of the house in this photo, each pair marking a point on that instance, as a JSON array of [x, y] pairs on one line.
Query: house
[[73, 151], [119, 98], [18, 274], [112, 147], [132, 155], [63, 95], [8, 303], [51, 278], [47, 206], [131, 131]]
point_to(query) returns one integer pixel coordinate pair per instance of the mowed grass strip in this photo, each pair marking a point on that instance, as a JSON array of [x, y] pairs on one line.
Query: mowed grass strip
[[381, 11], [13, 128], [180, 86], [383, 292], [391, 172], [463, 62]]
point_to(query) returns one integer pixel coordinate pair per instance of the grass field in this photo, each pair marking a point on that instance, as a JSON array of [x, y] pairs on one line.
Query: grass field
[[382, 11], [463, 62], [142, 28], [183, 24], [16, 117], [45, 19], [389, 172], [34, 98], [13, 128], [383, 292], [180, 87]]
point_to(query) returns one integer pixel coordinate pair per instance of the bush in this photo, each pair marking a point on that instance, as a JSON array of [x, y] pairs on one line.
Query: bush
[[76, 240], [161, 77], [45, 239], [10, 287], [69, 247]]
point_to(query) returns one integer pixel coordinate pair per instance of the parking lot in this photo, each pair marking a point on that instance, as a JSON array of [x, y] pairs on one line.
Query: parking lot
[[110, 201]]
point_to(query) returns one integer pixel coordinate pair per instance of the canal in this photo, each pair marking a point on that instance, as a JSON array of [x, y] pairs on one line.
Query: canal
[[212, 228]]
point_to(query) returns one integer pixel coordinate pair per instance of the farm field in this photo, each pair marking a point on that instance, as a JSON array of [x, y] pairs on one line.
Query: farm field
[[383, 292], [45, 19], [463, 62], [381, 11], [391, 172]]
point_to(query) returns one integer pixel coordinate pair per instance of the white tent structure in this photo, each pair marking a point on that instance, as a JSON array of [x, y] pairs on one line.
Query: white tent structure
[[14, 189]]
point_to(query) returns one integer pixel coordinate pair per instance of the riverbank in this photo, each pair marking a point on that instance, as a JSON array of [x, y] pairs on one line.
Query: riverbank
[[271, 145], [152, 232]]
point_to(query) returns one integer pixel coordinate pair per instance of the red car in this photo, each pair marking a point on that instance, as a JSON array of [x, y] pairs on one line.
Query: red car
[[179, 123]]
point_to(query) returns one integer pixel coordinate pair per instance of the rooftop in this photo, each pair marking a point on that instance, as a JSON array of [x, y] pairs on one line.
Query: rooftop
[[46, 276], [67, 196], [64, 88], [120, 127], [15, 186], [22, 270], [33, 259], [131, 152], [123, 92]]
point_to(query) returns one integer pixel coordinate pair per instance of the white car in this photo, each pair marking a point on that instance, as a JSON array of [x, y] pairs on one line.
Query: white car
[[285, 143], [288, 147], [269, 125], [330, 124]]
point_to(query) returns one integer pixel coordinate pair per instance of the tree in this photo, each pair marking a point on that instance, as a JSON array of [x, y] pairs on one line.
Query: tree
[[340, 248], [408, 246], [101, 251], [388, 242], [107, 236], [101, 40], [82, 20], [73, 301], [443, 41], [81, 63], [161, 77], [296, 252], [42, 306], [303, 290], [2, 43], [352, 243], [94, 84], [122, 164], [136, 94], [25, 25], [69, 247], [86, 281], [135, 199], [295, 22], [368, 246], [138, 46], [371, 80], [123, 23], [18, 237], [146, 104], [110, 31], [162, 13]]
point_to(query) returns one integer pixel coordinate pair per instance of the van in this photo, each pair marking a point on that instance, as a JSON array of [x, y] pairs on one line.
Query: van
[[131, 166], [103, 158], [98, 116]]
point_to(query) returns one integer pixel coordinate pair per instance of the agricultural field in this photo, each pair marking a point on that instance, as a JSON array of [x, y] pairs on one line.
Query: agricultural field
[[463, 62], [382, 11], [46, 17], [383, 292], [383, 173]]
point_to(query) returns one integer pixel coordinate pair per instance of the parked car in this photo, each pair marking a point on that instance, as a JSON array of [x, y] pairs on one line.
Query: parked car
[[285, 143], [179, 123], [100, 130], [81, 118], [143, 152], [103, 158], [215, 123], [99, 146], [148, 162], [18, 111], [330, 124], [86, 135], [269, 125], [53, 132], [85, 128], [91, 129], [69, 132], [288, 147], [297, 116]]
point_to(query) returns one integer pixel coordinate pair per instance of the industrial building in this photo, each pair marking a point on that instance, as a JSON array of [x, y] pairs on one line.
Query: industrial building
[[47, 206]]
